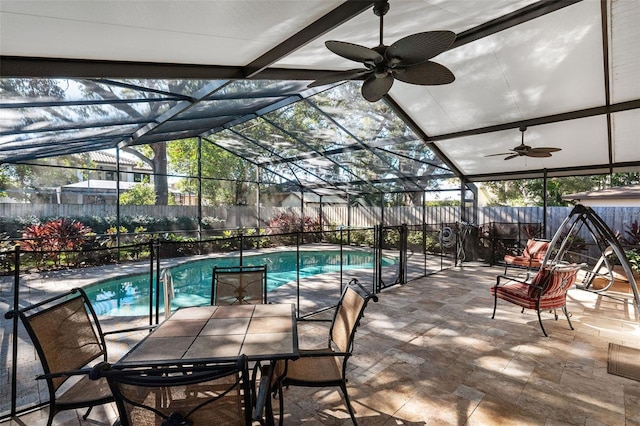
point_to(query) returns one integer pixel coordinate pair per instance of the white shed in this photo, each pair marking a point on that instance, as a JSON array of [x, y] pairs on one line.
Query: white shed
[[622, 196]]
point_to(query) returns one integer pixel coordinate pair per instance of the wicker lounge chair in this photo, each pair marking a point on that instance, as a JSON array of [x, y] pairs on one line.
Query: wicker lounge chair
[[239, 285], [327, 367], [171, 395], [546, 291], [67, 337]]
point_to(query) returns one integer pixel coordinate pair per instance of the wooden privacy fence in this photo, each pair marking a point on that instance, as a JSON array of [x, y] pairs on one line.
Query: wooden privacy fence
[[231, 217]]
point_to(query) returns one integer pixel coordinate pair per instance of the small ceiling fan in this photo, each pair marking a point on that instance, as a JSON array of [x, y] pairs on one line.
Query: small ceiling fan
[[406, 60], [523, 150]]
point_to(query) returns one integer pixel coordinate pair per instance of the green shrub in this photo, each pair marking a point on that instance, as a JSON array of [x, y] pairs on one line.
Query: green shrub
[[634, 259]]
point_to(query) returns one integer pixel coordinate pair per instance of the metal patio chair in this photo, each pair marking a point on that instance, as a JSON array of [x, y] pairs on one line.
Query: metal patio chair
[[67, 336], [546, 291], [239, 285], [327, 367], [180, 394]]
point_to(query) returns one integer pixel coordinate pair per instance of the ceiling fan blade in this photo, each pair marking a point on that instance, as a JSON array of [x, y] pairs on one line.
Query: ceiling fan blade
[[546, 149], [338, 76], [426, 73], [354, 52], [512, 156], [374, 88], [502, 153], [537, 154], [420, 47]]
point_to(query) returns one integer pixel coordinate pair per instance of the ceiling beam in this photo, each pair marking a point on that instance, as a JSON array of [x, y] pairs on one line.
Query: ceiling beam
[[24, 67], [604, 17], [538, 121], [510, 20], [331, 20], [556, 172]]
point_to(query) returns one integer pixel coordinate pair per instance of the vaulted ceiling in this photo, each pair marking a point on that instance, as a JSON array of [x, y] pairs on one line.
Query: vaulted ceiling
[[567, 70]]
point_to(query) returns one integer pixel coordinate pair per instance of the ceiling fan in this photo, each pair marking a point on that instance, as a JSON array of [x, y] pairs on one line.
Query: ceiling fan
[[523, 150], [406, 60]]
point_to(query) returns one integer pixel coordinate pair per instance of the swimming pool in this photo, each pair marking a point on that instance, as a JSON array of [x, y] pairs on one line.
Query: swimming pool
[[129, 296]]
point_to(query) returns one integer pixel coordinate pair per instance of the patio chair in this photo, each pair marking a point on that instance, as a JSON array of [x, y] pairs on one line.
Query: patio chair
[[239, 285], [327, 367], [172, 395], [531, 257], [67, 337], [546, 291]]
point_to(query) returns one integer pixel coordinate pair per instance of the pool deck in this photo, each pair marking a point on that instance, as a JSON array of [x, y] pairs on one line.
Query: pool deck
[[315, 294], [428, 353]]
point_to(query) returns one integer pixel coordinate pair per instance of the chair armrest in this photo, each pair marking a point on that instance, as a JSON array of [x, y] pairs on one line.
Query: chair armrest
[[79, 372], [515, 279], [316, 353]]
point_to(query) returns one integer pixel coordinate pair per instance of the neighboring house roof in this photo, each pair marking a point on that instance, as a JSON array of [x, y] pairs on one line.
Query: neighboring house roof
[[310, 197], [108, 158], [620, 192], [100, 184]]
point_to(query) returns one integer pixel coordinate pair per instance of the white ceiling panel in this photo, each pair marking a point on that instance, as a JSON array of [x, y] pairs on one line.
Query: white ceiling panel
[[530, 72], [626, 136], [625, 50], [583, 142], [199, 32], [404, 18], [523, 72]]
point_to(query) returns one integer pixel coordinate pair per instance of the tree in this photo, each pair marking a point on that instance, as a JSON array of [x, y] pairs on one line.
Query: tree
[[36, 182], [226, 177], [530, 191], [155, 155], [141, 194], [622, 179]]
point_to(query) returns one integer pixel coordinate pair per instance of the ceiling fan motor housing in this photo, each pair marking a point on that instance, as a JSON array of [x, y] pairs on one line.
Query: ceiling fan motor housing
[[380, 8], [408, 59]]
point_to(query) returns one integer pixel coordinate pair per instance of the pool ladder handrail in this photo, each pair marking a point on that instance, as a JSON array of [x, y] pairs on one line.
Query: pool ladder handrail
[[168, 290]]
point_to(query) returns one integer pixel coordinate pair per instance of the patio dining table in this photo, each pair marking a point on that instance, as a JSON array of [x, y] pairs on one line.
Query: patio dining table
[[221, 333]]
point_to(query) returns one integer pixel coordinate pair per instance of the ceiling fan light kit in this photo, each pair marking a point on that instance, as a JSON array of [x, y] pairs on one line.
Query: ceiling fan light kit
[[407, 60], [523, 150]]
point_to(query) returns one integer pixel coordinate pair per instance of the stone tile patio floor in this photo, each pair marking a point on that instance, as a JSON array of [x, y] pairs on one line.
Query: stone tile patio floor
[[428, 353]]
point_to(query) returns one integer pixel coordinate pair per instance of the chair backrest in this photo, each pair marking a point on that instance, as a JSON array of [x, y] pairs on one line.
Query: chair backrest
[[347, 316], [65, 332], [203, 394], [555, 280], [536, 249], [239, 285]]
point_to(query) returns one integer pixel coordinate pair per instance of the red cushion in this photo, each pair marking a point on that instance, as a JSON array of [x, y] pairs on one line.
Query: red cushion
[[555, 282], [517, 294], [522, 261], [532, 256], [536, 249]]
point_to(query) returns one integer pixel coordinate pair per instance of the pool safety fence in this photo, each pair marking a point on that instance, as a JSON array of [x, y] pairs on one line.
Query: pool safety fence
[[412, 246]]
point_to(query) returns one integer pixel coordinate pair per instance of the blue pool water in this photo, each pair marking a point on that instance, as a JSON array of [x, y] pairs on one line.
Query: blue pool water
[[129, 296]]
